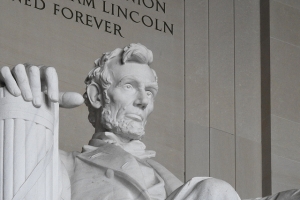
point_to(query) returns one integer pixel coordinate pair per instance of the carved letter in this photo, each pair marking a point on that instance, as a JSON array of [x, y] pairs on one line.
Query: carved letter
[[55, 8], [40, 8], [89, 2], [98, 23], [104, 2]]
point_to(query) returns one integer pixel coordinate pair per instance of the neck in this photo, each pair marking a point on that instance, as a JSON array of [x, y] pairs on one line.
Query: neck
[[101, 135], [134, 147]]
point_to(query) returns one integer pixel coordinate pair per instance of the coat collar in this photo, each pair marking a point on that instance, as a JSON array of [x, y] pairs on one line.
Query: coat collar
[[134, 147]]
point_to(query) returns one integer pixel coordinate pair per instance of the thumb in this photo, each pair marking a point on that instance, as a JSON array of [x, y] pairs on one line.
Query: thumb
[[70, 99]]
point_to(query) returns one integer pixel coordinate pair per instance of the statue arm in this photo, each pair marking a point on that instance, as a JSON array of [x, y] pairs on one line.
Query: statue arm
[[171, 181], [285, 195]]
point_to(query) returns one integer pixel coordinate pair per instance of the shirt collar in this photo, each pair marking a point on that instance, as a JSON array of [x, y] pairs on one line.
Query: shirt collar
[[134, 147]]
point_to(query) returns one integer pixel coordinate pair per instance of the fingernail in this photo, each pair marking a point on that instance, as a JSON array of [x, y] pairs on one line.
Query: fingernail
[[17, 93], [28, 96], [37, 101], [53, 97]]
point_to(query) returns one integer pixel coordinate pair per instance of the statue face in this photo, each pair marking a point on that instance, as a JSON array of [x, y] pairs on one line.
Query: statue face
[[131, 96]]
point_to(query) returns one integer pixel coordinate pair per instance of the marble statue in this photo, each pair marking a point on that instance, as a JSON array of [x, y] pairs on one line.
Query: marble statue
[[115, 165]]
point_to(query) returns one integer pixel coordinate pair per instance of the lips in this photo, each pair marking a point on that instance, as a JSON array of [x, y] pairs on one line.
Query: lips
[[135, 117]]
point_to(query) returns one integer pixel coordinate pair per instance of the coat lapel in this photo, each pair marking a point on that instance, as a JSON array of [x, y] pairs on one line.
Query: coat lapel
[[110, 156]]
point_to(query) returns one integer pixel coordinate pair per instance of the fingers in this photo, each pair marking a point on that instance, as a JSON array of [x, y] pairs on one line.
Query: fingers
[[33, 73], [26, 80], [70, 99], [49, 75], [7, 78], [21, 78]]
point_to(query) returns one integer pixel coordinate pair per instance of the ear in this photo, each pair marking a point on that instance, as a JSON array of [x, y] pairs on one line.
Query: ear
[[94, 95]]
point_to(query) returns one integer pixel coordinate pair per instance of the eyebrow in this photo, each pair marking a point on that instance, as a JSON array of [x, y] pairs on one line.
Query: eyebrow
[[153, 85], [124, 79]]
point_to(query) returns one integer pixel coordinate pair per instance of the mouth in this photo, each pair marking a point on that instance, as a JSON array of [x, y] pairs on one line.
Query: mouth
[[135, 117]]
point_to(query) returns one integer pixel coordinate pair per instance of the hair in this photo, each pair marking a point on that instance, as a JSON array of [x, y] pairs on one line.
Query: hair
[[100, 74]]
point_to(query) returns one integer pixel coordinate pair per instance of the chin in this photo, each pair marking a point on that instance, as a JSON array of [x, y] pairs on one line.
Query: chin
[[130, 130]]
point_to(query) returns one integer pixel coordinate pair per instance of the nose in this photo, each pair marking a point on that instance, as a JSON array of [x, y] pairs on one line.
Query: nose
[[142, 100]]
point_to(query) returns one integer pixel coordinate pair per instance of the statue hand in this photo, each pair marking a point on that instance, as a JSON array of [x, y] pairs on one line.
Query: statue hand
[[29, 80]]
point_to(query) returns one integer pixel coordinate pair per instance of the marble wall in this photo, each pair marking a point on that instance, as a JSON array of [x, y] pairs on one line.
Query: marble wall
[[227, 93], [285, 73], [246, 63]]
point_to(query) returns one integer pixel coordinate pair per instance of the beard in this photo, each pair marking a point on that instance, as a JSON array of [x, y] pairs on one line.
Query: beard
[[126, 128]]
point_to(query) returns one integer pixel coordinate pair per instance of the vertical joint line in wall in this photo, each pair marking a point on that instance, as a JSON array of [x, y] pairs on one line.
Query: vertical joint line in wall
[[208, 44], [265, 87], [184, 91], [234, 91]]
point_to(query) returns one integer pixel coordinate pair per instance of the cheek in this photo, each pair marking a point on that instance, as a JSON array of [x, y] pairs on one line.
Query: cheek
[[150, 108], [116, 108], [121, 98], [119, 105]]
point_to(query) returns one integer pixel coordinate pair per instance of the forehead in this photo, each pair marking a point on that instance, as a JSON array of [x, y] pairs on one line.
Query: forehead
[[141, 72]]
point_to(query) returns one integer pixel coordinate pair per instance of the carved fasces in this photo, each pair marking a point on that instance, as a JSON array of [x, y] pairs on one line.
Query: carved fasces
[[29, 165], [29, 148]]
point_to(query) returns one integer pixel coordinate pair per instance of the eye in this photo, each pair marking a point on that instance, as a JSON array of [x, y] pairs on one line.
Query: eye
[[127, 86], [149, 93]]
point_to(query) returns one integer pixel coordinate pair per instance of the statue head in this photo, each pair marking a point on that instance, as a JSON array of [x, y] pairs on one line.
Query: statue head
[[120, 91]]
